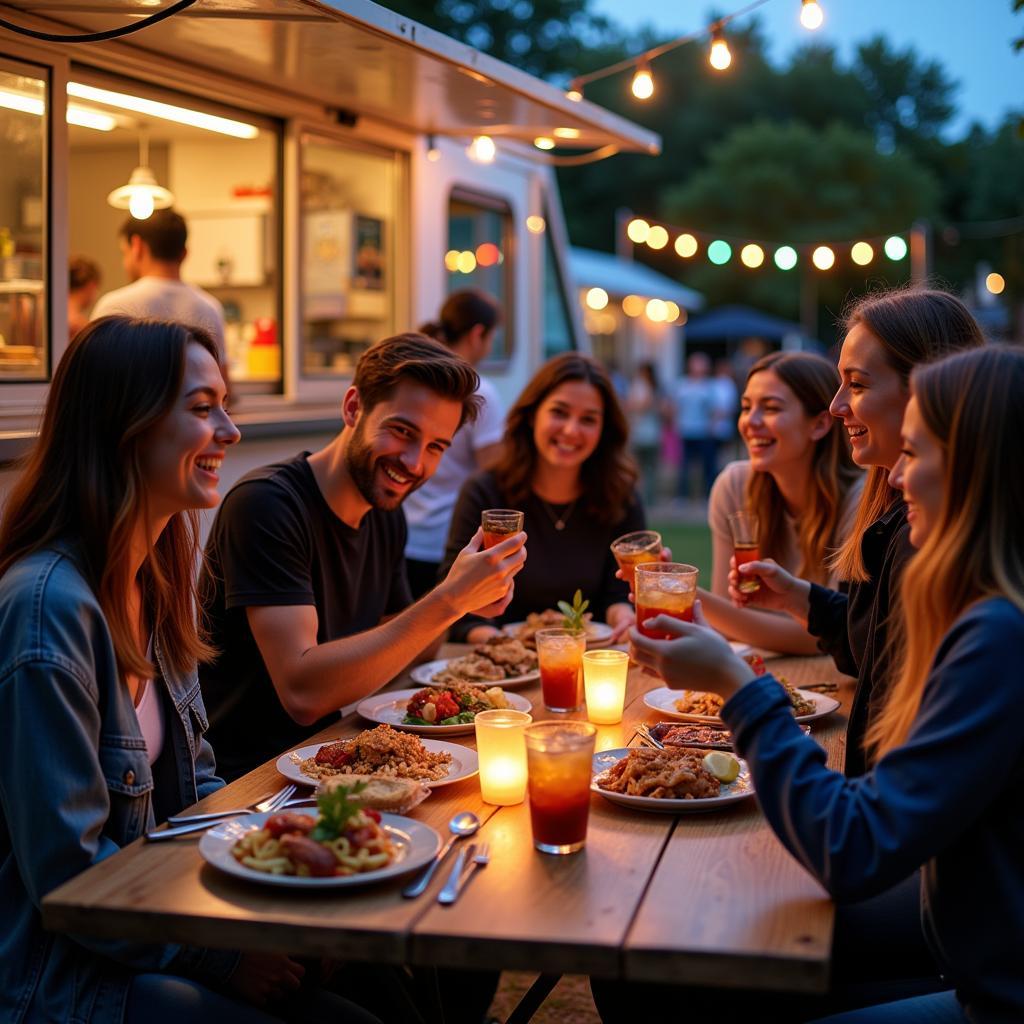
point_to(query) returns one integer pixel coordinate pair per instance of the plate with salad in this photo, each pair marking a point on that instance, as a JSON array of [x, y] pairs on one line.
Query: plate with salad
[[437, 710]]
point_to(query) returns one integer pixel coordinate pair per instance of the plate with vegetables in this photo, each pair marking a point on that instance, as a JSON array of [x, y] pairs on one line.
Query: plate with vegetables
[[337, 844], [438, 710]]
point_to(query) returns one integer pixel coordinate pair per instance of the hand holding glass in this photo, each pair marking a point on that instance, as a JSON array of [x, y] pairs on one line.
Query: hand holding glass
[[499, 524], [633, 549], [744, 541], [664, 588]]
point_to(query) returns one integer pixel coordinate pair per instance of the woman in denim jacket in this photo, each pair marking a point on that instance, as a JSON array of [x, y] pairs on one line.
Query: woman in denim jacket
[[103, 716]]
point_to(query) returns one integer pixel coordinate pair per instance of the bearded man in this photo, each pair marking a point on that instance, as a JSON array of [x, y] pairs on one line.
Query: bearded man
[[304, 587]]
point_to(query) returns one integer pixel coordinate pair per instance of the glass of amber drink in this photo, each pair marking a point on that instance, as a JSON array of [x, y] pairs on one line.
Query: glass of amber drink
[[664, 588], [633, 549], [560, 656], [744, 542], [559, 758], [499, 524]]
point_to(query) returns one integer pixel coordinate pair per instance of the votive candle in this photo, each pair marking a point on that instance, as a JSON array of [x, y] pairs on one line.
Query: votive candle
[[604, 683], [501, 748]]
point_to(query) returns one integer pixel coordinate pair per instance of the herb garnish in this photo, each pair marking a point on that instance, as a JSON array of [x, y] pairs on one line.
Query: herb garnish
[[574, 612], [336, 810]]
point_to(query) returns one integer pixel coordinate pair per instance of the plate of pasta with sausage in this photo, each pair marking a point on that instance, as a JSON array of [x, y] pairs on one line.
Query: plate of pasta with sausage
[[337, 844]]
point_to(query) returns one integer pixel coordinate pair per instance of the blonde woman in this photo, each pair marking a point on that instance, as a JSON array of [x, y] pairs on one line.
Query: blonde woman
[[799, 480], [887, 335], [944, 793]]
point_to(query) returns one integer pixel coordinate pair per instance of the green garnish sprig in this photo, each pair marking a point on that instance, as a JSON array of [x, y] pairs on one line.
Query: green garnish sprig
[[573, 613], [336, 811]]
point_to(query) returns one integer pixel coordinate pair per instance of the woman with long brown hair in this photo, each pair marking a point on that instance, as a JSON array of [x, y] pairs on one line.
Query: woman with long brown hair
[[887, 335], [800, 482], [565, 465], [944, 792], [103, 715]]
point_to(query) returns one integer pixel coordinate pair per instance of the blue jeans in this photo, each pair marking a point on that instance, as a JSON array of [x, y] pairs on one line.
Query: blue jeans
[[166, 999], [939, 1008]]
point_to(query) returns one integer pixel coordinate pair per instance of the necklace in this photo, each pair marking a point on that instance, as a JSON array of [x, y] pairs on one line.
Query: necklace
[[558, 519]]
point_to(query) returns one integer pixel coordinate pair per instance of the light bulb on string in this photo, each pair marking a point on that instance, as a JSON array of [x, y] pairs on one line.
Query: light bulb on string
[[642, 85], [895, 247], [862, 254], [752, 255], [433, 153], [811, 14], [657, 237], [995, 283], [686, 245], [720, 56], [638, 230], [482, 149], [823, 257], [785, 257]]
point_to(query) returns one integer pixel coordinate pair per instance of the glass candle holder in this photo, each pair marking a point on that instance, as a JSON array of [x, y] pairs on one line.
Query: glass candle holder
[[604, 683], [499, 524], [501, 747]]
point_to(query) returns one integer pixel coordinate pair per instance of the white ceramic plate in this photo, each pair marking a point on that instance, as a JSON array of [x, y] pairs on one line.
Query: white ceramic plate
[[415, 844], [464, 762], [731, 793], [663, 700], [599, 634], [424, 675], [389, 709]]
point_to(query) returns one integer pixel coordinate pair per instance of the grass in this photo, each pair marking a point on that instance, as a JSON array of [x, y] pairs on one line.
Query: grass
[[690, 543]]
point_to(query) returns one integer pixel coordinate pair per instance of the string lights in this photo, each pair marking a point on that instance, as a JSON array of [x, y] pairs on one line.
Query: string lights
[[642, 83], [753, 254]]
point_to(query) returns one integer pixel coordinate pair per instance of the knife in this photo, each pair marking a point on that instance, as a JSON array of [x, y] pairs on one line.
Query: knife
[[451, 887]]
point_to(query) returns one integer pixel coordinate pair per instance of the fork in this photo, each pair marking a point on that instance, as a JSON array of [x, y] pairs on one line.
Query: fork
[[270, 803], [481, 856], [644, 732]]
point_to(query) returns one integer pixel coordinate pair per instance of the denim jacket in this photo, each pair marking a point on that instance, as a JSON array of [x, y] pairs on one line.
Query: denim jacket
[[76, 786]]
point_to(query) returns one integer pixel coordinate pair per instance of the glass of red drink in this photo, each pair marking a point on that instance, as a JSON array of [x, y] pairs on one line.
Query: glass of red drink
[[633, 549], [664, 588], [499, 524], [744, 541], [560, 657], [559, 759]]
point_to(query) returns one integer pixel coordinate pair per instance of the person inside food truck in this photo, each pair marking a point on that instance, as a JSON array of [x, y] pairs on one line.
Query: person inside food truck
[[305, 588]]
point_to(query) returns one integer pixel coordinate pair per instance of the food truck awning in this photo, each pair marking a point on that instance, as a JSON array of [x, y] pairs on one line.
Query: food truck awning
[[360, 59]]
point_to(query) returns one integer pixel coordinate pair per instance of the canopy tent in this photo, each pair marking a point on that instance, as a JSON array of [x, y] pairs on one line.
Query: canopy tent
[[734, 323]]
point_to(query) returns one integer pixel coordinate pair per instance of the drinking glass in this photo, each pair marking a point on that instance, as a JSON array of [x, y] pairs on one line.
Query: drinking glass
[[744, 543], [499, 524], [633, 549], [560, 758], [560, 655], [664, 588], [604, 682], [502, 752]]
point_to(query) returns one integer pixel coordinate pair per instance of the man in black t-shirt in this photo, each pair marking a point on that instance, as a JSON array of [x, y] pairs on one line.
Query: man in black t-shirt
[[305, 589]]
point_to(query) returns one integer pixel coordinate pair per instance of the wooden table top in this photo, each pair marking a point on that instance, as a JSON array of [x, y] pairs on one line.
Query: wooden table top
[[710, 898]]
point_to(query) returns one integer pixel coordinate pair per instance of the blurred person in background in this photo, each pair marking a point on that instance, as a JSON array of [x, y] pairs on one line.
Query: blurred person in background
[[695, 412], [726, 404], [648, 409], [84, 280], [466, 324]]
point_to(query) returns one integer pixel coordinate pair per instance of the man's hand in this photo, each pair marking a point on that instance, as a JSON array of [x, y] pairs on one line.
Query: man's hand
[[780, 590], [480, 581], [265, 977], [697, 657]]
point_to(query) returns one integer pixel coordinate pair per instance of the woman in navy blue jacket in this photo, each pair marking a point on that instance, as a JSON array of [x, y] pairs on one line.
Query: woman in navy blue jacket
[[944, 791]]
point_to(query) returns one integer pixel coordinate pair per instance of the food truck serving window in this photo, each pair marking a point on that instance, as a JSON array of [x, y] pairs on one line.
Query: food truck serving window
[[349, 201], [24, 106], [479, 255], [220, 166]]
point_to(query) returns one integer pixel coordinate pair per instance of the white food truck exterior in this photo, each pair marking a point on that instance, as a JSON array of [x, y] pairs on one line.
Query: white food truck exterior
[[360, 124]]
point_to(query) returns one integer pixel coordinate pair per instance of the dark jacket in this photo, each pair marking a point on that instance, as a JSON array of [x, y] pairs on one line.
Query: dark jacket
[[853, 624], [947, 800], [76, 786]]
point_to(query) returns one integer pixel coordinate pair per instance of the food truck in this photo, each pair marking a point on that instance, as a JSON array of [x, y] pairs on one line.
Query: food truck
[[341, 169]]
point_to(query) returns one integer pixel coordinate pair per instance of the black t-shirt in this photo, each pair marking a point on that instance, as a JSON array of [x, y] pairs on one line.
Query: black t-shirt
[[277, 542], [557, 561]]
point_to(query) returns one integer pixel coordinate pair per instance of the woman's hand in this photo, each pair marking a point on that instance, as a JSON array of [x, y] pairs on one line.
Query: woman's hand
[[698, 658], [260, 978], [621, 618], [780, 590]]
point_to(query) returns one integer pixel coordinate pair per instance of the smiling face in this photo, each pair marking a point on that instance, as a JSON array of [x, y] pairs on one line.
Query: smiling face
[[919, 473], [396, 446], [567, 425], [181, 455], [777, 431], [870, 401]]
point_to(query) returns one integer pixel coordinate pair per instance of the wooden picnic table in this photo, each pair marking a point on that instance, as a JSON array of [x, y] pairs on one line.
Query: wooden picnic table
[[708, 898]]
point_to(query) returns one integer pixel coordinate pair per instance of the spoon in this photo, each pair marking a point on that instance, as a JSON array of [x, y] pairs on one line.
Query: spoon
[[465, 823]]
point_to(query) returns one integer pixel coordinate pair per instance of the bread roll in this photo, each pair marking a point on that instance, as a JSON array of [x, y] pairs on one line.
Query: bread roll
[[383, 793]]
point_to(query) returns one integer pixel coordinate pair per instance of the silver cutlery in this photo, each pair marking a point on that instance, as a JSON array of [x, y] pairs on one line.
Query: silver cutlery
[[479, 856], [465, 823], [644, 733], [271, 803]]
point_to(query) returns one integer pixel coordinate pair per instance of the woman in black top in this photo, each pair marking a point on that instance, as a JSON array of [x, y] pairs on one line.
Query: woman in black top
[[886, 337], [566, 467]]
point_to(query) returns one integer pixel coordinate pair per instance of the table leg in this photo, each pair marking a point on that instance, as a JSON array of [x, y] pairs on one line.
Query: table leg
[[535, 996]]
